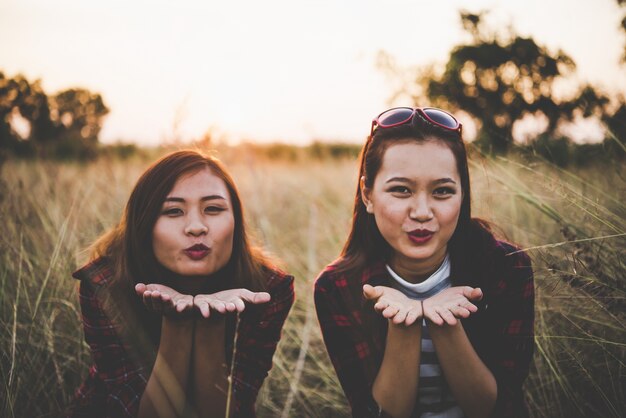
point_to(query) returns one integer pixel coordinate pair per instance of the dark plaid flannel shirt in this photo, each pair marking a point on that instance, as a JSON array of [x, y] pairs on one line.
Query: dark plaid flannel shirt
[[115, 383], [501, 332]]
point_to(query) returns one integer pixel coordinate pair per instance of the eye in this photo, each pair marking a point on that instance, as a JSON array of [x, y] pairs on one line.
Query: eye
[[444, 191], [172, 212], [213, 210], [399, 190]]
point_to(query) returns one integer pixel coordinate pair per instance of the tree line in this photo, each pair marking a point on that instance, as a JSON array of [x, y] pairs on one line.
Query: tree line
[[496, 79]]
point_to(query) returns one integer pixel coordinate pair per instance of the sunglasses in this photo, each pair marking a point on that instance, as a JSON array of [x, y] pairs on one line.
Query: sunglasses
[[400, 115]]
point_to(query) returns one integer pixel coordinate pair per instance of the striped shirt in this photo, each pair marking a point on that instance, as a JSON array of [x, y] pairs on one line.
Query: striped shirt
[[434, 397]]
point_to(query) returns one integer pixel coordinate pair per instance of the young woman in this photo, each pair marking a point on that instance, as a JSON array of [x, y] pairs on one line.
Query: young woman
[[425, 313], [176, 302]]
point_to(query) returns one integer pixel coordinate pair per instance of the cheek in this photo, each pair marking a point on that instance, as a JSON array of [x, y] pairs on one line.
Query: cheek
[[159, 238], [224, 233], [164, 243], [390, 211], [449, 214]]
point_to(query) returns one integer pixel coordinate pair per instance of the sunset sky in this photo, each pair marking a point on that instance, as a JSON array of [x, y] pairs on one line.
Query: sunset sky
[[284, 70]]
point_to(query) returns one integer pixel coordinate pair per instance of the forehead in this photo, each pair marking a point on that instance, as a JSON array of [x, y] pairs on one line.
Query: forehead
[[199, 183], [419, 160]]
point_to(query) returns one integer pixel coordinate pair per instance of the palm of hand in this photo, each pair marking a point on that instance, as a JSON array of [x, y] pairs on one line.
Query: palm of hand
[[393, 304], [451, 303], [164, 299], [231, 300]]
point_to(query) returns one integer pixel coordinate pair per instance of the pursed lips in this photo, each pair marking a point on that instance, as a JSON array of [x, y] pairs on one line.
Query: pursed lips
[[197, 251], [420, 236]]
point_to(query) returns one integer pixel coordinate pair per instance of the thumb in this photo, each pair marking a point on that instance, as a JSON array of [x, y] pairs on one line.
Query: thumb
[[140, 288], [476, 294], [371, 292], [261, 297], [473, 294]]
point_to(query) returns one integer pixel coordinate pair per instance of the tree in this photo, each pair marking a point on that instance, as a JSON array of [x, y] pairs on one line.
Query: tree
[[80, 113], [499, 81], [64, 125]]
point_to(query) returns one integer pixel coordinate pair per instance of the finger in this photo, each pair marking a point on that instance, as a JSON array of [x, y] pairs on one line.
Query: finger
[[469, 306], [205, 310], [182, 305], [254, 297], [140, 288], [155, 298], [147, 299], [371, 292], [477, 294], [447, 316], [399, 317], [461, 312], [390, 311], [433, 316], [381, 305], [262, 297], [239, 305], [467, 292], [230, 306], [411, 317], [218, 306]]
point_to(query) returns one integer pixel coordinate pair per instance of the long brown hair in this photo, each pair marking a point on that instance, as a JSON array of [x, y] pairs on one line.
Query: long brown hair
[[365, 244], [128, 246]]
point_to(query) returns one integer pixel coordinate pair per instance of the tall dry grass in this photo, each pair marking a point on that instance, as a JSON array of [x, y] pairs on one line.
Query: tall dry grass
[[572, 223]]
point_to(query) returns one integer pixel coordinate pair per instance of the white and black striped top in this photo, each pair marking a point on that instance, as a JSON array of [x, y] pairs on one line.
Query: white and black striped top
[[434, 397]]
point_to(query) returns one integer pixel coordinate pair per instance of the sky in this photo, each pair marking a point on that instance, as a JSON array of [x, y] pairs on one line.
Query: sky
[[274, 70]]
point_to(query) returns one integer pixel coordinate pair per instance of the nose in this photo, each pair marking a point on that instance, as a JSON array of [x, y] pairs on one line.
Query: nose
[[420, 209], [195, 226]]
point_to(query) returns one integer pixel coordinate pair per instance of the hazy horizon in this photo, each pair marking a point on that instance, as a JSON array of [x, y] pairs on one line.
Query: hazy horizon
[[273, 71]]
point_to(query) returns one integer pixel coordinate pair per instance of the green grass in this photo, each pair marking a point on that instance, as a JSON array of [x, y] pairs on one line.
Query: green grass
[[571, 222]]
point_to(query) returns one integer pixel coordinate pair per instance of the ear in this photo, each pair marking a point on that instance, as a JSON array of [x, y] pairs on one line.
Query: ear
[[365, 196]]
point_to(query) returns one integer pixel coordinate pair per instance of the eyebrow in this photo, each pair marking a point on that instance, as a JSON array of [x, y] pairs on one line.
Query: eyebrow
[[202, 199], [406, 180]]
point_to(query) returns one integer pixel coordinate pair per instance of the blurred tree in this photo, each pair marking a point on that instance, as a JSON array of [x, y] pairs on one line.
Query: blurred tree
[[66, 124], [80, 113], [12, 92], [499, 82]]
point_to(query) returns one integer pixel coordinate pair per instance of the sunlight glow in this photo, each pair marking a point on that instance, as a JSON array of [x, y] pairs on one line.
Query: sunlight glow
[[293, 71]]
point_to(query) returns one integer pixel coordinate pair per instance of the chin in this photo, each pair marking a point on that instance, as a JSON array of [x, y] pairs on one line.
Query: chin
[[422, 254], [193, 271]]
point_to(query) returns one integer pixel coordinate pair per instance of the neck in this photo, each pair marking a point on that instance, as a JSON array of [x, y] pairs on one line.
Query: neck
[[416, 271], [195, 285]]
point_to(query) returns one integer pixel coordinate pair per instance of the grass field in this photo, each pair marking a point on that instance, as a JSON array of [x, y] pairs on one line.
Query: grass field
[[572, 222]]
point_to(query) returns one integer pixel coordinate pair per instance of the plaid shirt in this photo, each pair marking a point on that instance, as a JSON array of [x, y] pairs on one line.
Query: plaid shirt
[[501, 331], [116, 383]]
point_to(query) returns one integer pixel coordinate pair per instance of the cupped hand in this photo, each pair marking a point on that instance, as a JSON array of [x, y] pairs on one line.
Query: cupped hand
[[164, 299], [393, 304], [452, 303], [231, 300]]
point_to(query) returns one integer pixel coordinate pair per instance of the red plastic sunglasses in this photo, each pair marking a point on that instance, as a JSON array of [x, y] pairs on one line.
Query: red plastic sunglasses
[[400, 115]]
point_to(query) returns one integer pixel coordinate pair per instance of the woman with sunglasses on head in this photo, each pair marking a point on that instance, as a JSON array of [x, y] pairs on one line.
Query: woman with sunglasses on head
[[181, 313], [425, 313]]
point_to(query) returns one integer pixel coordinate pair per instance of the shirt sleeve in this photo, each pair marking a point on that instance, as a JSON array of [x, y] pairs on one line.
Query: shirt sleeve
[[258, 334], [115, 383], [349, 352], [514, 346]]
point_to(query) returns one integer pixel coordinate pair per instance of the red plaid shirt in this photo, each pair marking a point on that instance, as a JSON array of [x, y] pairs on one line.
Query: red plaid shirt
[[501, 331], [116, 383]]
